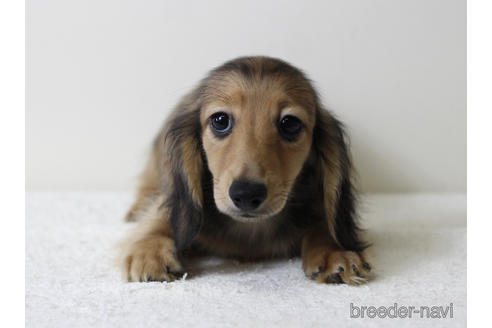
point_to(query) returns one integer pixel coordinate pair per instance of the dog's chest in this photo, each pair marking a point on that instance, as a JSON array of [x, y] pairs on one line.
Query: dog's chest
[[268, 239]]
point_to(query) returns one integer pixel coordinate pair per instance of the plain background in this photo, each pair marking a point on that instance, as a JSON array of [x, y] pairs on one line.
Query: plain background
[[102, 75]]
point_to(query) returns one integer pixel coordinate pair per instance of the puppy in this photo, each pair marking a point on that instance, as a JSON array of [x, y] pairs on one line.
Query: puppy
[[250, 166]]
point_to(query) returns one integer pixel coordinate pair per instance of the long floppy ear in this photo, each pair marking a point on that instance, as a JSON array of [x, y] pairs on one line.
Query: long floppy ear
[[181, 142], [335, 167]]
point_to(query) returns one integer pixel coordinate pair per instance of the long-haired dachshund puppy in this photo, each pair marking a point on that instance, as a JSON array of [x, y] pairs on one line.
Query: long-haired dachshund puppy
[[250, 166]]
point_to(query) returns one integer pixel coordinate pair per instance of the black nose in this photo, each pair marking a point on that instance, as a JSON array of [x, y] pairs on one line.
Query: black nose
[[247, 195]]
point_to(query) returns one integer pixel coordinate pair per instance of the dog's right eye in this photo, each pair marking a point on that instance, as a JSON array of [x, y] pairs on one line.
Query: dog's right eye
[[221, 124]]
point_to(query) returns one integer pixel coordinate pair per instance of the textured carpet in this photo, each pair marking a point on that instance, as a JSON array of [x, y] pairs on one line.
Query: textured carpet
[[418, 255]]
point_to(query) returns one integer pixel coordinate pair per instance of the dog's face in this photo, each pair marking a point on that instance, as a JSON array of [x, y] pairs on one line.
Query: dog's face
[[256, 133], [257, 125]]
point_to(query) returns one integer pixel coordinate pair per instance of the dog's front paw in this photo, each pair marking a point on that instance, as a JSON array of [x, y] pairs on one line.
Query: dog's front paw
[[152, 259], [329, 266]]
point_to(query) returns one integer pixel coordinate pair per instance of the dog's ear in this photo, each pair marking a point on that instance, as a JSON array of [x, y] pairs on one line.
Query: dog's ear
[[335, 169], [182, 149]]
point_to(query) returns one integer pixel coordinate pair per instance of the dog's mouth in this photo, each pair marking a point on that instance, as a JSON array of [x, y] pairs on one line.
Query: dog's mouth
[[252, 217], [249, 217]]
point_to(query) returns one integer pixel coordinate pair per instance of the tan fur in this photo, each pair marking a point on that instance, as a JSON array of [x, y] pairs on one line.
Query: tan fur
[[149, 185], [331, 183], [192, 168], [254, 151]]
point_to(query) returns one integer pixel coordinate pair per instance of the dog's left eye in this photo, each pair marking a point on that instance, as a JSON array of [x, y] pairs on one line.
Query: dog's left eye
[[221, 123], [289, 127]]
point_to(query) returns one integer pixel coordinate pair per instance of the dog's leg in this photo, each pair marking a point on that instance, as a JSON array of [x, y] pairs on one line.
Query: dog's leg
[[148, 189], [324, 262], [150, 254]]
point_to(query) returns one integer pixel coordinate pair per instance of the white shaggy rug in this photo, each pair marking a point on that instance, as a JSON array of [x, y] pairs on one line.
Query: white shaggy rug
[[418, 255]]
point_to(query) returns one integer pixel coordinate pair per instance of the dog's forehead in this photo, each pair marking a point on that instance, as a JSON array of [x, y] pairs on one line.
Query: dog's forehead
[[259, 96]]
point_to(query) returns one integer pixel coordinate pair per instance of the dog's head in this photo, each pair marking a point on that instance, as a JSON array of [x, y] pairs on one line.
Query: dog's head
[[253, 123], [257, 121]]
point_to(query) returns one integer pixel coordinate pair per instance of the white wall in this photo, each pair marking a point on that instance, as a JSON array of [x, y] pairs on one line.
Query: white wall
[[102, 76]]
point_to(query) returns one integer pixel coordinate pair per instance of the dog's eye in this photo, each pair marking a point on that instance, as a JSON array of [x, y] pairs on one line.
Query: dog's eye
[[221, 123], [289, 127]]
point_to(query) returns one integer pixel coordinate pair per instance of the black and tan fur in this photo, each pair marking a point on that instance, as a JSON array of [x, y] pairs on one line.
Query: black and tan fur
[[183, 205]]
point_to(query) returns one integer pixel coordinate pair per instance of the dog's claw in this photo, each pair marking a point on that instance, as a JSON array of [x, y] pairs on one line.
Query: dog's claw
[[356, 270], [315, 274], [334, 279]]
